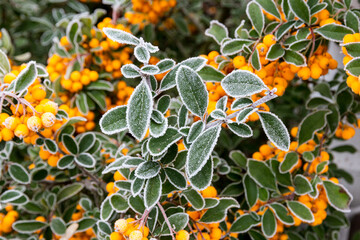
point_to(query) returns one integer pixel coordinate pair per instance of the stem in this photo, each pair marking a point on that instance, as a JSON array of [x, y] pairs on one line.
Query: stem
[[313, 42], [172, 231], [98, 181]]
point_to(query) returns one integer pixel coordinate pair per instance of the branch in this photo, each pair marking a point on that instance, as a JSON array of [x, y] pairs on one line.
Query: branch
[[172, 231]]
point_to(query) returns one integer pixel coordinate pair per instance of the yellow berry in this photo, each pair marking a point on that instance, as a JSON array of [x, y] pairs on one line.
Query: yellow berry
[[75, 76], [116, 236], [11, 123], [93, 76], [51, 107], [209, 192], [269, 40], [34, 123], [21, 131], [7, 134], [121, 225], [8, 78], [182, 235], [48, 119], [136, 235]]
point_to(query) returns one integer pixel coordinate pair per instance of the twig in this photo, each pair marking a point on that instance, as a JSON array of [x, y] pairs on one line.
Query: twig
[[172, 231], [313, 43]]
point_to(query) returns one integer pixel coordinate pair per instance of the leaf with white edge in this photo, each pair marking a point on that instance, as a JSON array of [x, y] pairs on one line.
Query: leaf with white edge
[[256, 16], [69, 191], [4, 63], [268, 224], [163, 103], [310, 124], [130, 71], [119, 203], [211, 74], [300, 45], [178, 221], [251, 190], [353, 67], [28, 226], [58, 226], [294, 58], [101, 85], [202, 179], [70, 144], [240, 103], [192, 90], [106, 209], [276, 51], [302, 185], [218, 213], [282, 213], [148, 169], [169, 81], [244, 114], [218, 114], [121, 36], [115, 165], [142, 54], [338, 196], [241, 83], [26, 77], [352, 21], [136, 186], [85, 223], [275, 130], [333, 32], [151, 48], [86, 141], [157, 116], [270, 7], [353, 49], [300, 9], [238, 158], [241, 129], [301, 211], [283, 29], [165, 65], [255, 60], [221, 103], [195, 130], [158, 146], [201, 149], [217, 31], [234, 46], [158, 129], [139, 110], [261, 174], [152, 192], [175, 177], [289, 162], [10, 195], [65, 162], [194, 198], [85, 160], [243, 224], [150, 69], [19, 173]]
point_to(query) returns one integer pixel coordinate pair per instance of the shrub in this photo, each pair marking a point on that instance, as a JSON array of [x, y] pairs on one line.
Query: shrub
[[120, 137]]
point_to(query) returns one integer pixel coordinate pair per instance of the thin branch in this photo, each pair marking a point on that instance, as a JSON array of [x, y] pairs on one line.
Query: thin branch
[[172, 231]]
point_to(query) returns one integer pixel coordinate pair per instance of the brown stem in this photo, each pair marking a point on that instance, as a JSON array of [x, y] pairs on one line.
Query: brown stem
[[172, 231]]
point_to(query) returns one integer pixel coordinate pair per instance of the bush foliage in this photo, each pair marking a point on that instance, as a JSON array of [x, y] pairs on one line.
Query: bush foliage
[[153, 120]]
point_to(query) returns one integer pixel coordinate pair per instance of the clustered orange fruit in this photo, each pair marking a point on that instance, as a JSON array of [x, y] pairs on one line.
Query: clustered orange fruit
[[110, 186], [78, 80], [129, 229], [346, 131], [7, 219], [352, 81], [145, 11]]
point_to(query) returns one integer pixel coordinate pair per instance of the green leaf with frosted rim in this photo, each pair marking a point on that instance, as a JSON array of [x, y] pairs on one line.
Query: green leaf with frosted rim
[[256, 16], [333, 32], [152, 192], [300, 9], [261, 174], [301, 211], [28, 226], [338, 196], [121, 36], [26, 77], [268, 223], [312, 123], [243, 224], [159, 145], [217, 31]]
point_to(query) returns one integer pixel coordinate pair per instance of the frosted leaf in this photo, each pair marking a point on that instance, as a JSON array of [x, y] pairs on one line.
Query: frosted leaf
[[218, 114], [221, 103], [244, 114], [142, 54], [158, 129], [159, 145], [152, 192], [241, 83], [241, 103], [192, 90], [217, 31], [130, 71], [121, 36], [240, 129], [150, 69], [139, 111], [165, 65], [195, 130], [114, 120]]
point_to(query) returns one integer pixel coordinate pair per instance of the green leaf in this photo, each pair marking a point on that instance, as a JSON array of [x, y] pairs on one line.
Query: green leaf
[[85, 160], [165, 65], [338, 196], [270, 7], [142, 54], [218, 213], [194, 198], [85, 223], [152, 191], [195, 130], [256, 16], [294, 58], [301, 211], [333, 32], [243, 115], [65, 162], [10, 195], [353, 67], [238, 158], [300, 9], [290, 161], [282, 213], [119, 203], [4, 63], [178, 221], [101, 85], [352, 21], [130, 71], [19, 173], [217, 31], [300, 45], [353, 49], [106, 209], [261, 174], [251, 190], [159, 145], [150, 70], [176, 178], [275, 130], [136, 204], [282, 178], [70, 144], [268, 224], [26, 77], [121, 36], [195, 63], [241, 83], [302, 185], [241, 129], [255, 60], [311, 123], [28, 226], [139, 110], [58, 226], [51, 145], [234, 46], [192, 90], [147, 170], [275, 52], [243, 224], [202, 179], [210, 74], [201, 149], [86, 141], [69, 191]]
